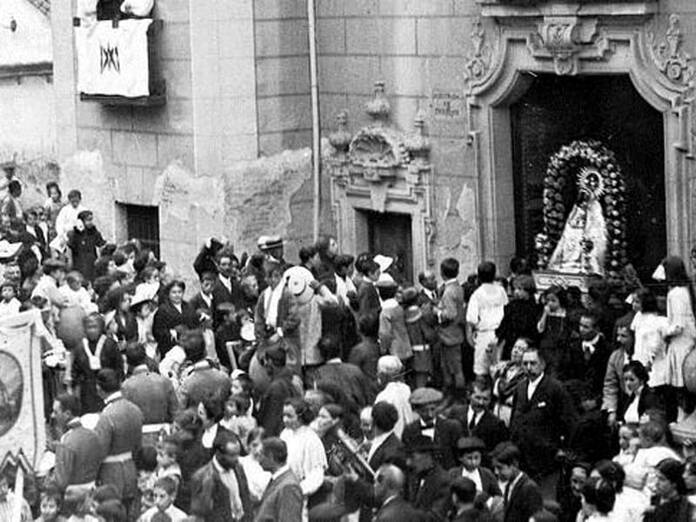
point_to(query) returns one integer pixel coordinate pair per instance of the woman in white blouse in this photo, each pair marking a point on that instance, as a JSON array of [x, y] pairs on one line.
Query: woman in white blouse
[[640, 396], [210, 412], [306, 455]]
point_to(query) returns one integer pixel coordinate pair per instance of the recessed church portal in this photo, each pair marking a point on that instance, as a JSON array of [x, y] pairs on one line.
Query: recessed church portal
[[557, 110]]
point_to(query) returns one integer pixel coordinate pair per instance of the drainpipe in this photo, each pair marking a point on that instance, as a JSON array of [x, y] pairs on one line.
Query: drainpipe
[[316, 129]]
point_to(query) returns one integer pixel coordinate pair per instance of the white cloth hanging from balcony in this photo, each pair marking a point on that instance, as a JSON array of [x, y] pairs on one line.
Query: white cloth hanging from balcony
[[113, 60]]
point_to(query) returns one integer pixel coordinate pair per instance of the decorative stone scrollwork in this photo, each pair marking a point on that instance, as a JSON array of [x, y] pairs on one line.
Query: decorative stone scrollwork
[[383, 170], [479, 61], [378, 148], [566, 40], [670, 57]]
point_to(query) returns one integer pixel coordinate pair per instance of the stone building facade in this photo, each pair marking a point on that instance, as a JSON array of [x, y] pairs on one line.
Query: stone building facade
[[448, 158]]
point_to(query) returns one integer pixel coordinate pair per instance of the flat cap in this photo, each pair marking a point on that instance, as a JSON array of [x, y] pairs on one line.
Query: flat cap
[[422, 396], [53, 264], [466, 444], [269, 242]]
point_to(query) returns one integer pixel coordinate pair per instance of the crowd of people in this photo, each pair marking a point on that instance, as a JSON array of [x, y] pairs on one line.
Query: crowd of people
[[334, 390]]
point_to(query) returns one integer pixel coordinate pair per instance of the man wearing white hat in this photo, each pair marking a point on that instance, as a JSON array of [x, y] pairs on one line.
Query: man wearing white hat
[[272, 248], [395, 392]]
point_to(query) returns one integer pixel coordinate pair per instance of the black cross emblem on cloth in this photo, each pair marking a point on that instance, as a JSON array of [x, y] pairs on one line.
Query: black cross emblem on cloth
[[109, 58]]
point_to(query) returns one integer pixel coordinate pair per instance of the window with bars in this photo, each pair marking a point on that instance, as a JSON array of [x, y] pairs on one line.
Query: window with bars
[[143, 224]]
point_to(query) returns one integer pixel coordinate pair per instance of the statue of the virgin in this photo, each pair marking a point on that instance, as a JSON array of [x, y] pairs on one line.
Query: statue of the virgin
[[583, 244]]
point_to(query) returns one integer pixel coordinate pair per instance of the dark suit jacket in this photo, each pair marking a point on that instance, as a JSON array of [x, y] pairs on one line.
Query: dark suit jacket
[[167, 318], [270, 414], [489, 483], [368, 299], [197, 303], [282, 500], [648, 400], [391, 451], [210, 499], [354, 383], [525, 500], [537, 425], [592, 371], [397, 510], [430, 494], [447, 433], [222, 295], [491, 430]]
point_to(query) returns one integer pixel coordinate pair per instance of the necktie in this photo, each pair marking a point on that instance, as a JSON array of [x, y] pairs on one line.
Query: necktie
[[472, 422], [506, 497]]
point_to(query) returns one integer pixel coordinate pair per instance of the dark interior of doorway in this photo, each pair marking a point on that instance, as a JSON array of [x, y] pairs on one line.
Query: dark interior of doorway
[[559, 109], [389, 234]]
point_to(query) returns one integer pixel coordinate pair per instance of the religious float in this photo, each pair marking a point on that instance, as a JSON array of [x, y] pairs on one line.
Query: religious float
[[589, 241]]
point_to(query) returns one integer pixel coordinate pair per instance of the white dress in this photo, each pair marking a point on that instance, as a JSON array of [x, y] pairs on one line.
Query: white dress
[[681, 320], [583, 223], [650, 347]]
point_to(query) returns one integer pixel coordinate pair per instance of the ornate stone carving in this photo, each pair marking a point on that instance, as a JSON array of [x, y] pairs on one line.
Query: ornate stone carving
[[378, 108], [340, 139], [566, 40], [418, 144], [670, 57], [479, 60], [378, 148], [383, 170]]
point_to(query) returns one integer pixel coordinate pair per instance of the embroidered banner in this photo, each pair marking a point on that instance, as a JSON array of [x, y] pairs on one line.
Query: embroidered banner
[[22, 424], [113, 60]]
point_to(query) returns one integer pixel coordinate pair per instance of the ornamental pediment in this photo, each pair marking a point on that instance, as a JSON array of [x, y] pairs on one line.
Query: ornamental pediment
[[378, 147]]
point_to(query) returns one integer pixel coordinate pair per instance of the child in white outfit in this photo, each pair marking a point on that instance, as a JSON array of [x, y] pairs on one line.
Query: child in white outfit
[[484, 313]]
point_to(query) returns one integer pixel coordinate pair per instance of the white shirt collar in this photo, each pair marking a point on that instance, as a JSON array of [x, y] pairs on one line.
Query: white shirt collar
[[470, 413], [279, 472], [531, 388], [335, 360], [219, 467], [111, 398]]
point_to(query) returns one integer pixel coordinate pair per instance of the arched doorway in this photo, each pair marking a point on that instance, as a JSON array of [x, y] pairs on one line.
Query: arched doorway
[[519, 46], [556, 110]]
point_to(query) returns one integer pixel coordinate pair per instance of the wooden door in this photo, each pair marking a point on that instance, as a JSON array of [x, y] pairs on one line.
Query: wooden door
[[389, 234]]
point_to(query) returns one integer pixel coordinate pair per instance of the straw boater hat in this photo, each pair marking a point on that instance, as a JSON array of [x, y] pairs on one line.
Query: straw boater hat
[[143, 294], [299, 281], [266, 243], [384, 262]]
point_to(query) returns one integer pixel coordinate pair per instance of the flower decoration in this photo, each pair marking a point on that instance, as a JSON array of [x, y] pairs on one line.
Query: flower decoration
[[597, 171]]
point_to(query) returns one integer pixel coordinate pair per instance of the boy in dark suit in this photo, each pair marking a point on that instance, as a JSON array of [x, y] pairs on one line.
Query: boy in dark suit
[[521, 496]]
